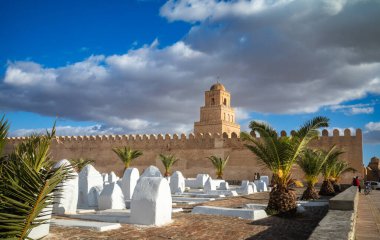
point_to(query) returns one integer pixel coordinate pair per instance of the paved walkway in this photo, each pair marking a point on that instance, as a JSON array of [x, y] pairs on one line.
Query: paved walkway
[[368, 218]]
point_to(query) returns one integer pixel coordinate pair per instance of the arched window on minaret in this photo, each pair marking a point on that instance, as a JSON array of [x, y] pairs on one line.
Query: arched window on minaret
[[212, 101], [228, 117], [225, 102]]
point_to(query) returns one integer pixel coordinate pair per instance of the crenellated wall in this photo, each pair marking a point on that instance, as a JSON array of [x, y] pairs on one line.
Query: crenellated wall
[[192, 151]]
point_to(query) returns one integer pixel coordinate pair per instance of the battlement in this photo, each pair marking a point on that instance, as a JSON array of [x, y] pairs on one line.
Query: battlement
[[176, 137]]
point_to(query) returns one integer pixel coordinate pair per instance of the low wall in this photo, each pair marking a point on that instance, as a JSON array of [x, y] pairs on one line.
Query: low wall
[[339, 222]]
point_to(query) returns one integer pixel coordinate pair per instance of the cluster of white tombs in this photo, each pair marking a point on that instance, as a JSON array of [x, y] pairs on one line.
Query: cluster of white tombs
[[145, 199]]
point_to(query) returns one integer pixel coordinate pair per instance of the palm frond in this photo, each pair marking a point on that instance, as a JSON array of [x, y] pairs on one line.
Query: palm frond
[[30, 183], [168, 161], [126, 154], [219, 164]]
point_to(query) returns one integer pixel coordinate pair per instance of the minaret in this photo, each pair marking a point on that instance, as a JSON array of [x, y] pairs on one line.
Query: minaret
[[217, 116]]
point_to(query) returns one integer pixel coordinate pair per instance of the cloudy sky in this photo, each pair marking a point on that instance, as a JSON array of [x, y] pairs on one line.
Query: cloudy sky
[[142, 66]]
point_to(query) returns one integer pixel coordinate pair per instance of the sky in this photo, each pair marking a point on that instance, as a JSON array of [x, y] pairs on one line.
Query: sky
[[142, 66]]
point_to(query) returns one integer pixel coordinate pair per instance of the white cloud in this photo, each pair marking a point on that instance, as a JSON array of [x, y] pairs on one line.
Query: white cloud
[[373, 126], [354, 109], [372, 133], [70, 131], [273, 57]]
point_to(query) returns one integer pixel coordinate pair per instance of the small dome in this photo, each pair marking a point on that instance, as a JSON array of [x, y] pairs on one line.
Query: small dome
[[217, 86]]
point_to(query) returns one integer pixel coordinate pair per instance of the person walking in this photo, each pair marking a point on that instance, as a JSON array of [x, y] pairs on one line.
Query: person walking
[[357, 183]]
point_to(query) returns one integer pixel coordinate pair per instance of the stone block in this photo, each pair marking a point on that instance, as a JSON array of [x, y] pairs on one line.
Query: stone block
[[112, 177], [265, 179], [88, 178], [151, 171], [111, 197], [224, 186], [209, 185], [346, 200], [261, 186], [151, 202], [177, 183], [66, 201], [129, 181]]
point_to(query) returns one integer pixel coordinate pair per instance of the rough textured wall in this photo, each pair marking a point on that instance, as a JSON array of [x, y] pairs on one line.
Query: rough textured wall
[[192, 152]]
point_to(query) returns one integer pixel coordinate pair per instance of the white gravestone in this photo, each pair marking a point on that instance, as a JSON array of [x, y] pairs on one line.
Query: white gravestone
[[67, 200], [201, 180], [209, 185], [177, 183], [105, 178], [224, 186], [93, 196], [88, 178], [246, 189], [112, 177], [151, 202], [128, 182], [261, 186], [253, 186], [151, 171], [111, 197], [265, 179]]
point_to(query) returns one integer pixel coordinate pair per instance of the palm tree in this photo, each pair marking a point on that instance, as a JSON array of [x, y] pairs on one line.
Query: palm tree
[[327, 188], [312, 164], [168, 161], [4, 127], [219, 165], [29, 183], [279, 154], [339, 168], [80, 163], [126, 155]]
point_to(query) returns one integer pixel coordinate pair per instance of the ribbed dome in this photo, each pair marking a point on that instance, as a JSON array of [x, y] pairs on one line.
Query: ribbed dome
[[217, 86]]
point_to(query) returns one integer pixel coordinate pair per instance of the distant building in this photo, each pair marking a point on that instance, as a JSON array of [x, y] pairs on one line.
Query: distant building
[[373, 169], [217, 115]]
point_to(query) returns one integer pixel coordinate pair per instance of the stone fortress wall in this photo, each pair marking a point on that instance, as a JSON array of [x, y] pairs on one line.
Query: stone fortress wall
[[192, 150]]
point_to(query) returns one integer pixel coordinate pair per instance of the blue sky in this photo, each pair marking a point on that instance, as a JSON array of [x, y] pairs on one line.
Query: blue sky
[[103, 67]]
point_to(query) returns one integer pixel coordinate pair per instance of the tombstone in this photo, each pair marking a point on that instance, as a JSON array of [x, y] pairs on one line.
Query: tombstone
[[177, 183], [245, 188], [111, 197], [151, 171], [265, 179], [66, 201], [93, 196], [261, 186], [209, 185], [224, 186], [201, 180], [151, 202], [105, 178], [128, 182], [254, 187], [112, 177], [88, 178]]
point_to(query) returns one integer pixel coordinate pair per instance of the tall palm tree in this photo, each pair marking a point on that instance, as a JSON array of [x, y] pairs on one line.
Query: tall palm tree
[[311, 163], [279, 154], [168, 161], [340, 167], [4, 127], [29, 183], [332, 155], [126, 155], [80, 163], [219, 165]]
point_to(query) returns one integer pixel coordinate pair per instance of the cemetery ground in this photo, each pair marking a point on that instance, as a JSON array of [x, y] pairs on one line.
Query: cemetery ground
[[198, 226]]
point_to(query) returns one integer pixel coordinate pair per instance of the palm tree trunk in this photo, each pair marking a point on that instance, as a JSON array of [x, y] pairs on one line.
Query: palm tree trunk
[[310, 193], [283, 201], [327, 189], [336, 187]]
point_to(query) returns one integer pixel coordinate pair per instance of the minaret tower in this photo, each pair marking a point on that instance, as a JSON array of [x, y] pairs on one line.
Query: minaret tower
[[217, 116]]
